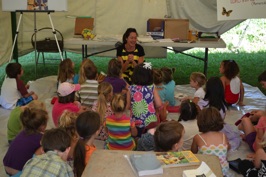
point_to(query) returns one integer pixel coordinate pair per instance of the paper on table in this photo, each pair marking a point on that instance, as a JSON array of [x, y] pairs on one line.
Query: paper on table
[[165, 40]]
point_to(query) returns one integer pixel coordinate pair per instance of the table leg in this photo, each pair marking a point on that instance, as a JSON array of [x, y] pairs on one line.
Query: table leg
[[83, 52], [86, 51], [206, 62]]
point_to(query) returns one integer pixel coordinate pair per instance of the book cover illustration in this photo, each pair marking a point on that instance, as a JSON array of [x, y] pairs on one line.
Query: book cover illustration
[[182, 158], [37, 5]]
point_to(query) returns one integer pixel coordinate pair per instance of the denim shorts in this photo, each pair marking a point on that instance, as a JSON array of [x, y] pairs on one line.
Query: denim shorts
[[23, 101]]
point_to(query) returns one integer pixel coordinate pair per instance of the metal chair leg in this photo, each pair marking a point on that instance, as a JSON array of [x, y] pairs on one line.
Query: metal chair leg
[[43, 60], [37, 61]]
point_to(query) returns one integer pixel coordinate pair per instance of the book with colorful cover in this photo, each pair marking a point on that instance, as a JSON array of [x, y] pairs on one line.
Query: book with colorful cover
[[175, 159]]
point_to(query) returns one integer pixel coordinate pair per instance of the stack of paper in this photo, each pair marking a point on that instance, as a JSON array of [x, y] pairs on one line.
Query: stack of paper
[[203, 171]]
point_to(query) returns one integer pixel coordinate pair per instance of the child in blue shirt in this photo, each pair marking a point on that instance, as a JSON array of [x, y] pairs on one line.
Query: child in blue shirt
[[169, 85]]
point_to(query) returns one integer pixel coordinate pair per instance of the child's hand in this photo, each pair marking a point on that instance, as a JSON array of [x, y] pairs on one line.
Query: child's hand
[[27, 86], [77, 103], [130, 58], [84, 108]]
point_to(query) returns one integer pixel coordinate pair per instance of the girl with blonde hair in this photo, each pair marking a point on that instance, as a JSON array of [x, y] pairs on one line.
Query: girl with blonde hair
[[102, 105], [67, 121], [120, 127]]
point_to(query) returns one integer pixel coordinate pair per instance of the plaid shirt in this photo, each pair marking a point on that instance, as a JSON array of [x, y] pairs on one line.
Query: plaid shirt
[[47, 165]]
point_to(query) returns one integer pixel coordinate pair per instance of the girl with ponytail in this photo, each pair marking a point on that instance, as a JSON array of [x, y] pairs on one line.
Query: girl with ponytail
[[88, 127], [102, 106]]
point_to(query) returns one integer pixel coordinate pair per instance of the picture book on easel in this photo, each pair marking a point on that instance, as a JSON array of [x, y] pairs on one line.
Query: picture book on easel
[[37, 5]]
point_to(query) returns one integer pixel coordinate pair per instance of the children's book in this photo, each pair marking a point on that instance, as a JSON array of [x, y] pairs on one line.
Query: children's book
[[144, 164], [175, 159], [202, 171]]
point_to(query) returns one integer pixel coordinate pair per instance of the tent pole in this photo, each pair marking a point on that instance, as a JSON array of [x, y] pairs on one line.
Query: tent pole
[[13, 28]]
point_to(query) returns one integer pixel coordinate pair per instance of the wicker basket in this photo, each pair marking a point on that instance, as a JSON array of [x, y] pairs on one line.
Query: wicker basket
[[48, 45]]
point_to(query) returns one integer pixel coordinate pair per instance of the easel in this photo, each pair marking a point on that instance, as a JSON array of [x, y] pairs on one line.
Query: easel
[[35, 30]]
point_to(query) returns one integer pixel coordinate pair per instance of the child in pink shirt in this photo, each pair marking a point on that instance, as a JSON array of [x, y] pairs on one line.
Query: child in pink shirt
[[66, 101]]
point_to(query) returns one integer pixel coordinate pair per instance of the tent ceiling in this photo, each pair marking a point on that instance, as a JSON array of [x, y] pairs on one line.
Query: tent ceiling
[[112, 17]]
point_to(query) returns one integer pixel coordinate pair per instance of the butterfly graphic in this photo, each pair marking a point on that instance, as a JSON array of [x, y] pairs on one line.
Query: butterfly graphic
[[227, 13]]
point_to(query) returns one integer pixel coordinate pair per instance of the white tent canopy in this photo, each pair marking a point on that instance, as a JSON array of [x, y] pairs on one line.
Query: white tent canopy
[[112, 17]]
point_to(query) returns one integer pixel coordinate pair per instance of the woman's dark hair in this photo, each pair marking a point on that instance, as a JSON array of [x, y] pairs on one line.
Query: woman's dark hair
[[87, 124], [188, 110], [215, 93], [13, 70], [231, 69], [209, 119], [127, 33], [114, 68], [67, 99], [142, 76]]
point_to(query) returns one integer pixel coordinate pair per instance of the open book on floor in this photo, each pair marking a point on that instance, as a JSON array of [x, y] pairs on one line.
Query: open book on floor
[[175, 159], [202, 171], [144, 164]]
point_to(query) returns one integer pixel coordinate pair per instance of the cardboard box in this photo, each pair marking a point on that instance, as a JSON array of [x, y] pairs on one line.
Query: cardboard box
[[83, 22], [168, 28], [176, 28], [155, 28]]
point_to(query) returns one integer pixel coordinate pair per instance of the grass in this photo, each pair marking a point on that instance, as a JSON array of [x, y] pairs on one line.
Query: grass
[[251, 65]]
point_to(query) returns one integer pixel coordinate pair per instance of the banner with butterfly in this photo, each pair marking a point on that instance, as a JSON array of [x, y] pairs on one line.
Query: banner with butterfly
[[240, 9]]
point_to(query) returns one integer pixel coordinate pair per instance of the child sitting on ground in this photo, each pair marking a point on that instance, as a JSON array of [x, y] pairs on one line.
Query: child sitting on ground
[[143, 98], [88, 84], [253, 135], [158, 82], [103, 106], [233, 87], [66, 101], [214, 97], [56, 146], [169, 85], [211, 140], [14, 125], [27, 142], [13, 91], [114, 77], [197, 81], [88, 127], [67, 122], [256, 167], [169, 136], [66, 71], [119, 126], [188, 115]]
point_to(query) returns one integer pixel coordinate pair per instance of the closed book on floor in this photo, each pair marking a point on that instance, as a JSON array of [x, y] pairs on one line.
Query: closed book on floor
[[175, 159], [144, 164], [202, 171]]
